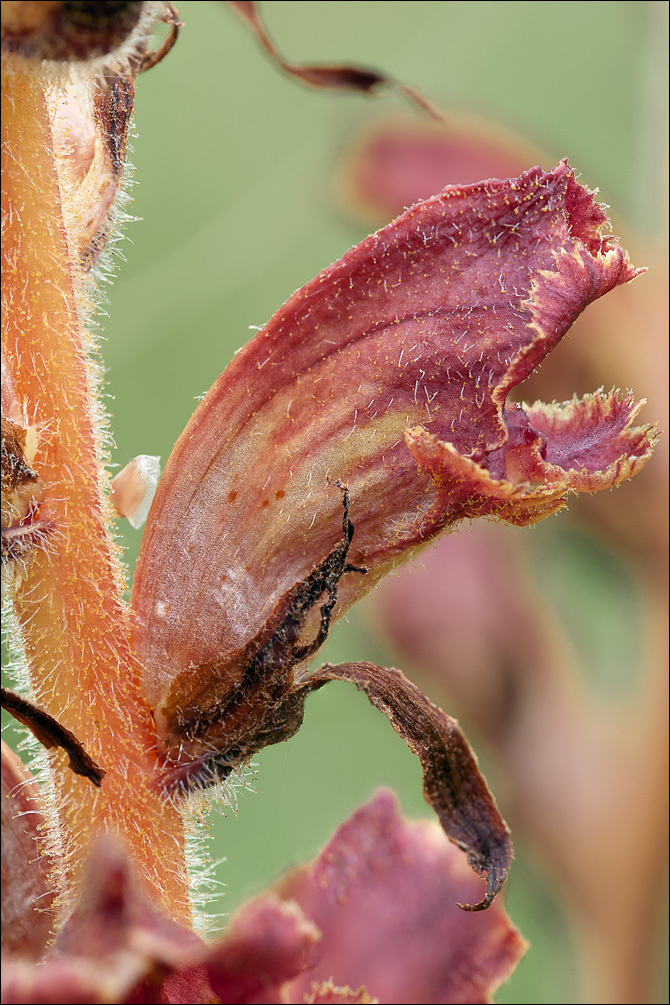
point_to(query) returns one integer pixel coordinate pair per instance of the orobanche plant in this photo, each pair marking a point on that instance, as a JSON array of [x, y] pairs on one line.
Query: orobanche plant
[[370, 414]]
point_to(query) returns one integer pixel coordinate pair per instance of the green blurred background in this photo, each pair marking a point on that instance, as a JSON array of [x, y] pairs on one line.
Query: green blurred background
[[235, 183]]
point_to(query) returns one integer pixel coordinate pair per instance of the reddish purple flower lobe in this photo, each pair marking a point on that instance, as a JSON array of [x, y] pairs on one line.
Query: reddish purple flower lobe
[[402, 352], [382, 892]]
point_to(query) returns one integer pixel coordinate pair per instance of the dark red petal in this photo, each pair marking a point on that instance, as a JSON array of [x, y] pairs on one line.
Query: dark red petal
[[116, 924], [623, 344], [117, 947], [584, 445], [27, 894], [186, 986], [267, 943], [383, 893], [58, 981]]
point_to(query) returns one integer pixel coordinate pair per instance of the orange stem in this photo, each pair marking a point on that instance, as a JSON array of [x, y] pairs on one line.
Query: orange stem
[[75, 627]]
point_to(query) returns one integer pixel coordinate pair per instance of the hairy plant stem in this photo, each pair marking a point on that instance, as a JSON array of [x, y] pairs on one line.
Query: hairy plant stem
[[75, 628]]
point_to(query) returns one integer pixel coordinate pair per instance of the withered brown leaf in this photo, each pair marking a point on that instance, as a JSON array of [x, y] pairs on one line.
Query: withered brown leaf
[[51, 733], [339, 77], [452, 782]]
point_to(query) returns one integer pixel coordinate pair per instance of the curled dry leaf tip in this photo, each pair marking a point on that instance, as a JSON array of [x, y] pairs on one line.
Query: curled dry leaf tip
[[337, 77], [52, 733]]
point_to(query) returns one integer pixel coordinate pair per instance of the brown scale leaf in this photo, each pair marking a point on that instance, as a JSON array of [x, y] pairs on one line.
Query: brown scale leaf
[[452, 782], [51, 733], [217, 717]]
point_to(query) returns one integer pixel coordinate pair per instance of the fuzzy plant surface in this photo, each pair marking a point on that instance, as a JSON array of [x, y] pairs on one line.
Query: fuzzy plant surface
[[369, 415]]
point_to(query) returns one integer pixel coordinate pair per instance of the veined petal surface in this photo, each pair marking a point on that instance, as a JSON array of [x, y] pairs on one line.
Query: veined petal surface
[[392, 363]]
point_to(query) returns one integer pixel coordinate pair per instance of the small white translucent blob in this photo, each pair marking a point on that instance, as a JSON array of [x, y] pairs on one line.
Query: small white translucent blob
[[133, 489]]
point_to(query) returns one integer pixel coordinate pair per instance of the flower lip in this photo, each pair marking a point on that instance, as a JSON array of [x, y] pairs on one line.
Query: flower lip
[[382, 891], [519, 457]]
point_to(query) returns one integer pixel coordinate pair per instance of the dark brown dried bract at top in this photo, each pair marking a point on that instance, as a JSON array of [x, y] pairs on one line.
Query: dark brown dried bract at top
[[336, 77], [68, 30]]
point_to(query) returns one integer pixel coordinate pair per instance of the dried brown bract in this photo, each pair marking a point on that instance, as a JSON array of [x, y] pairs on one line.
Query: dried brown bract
[[217, 716], [336, 77], [64, 31], [51, 733], [22, 493]]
